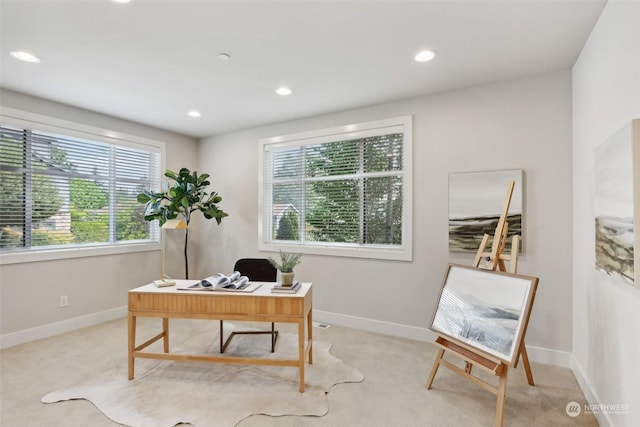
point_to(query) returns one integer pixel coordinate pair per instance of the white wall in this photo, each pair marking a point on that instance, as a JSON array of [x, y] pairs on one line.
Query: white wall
[[524, 124], [96, 286], [606, 318]]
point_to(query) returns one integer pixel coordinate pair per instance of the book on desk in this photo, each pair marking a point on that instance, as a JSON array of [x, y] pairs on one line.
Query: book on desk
[[223, 283], [278, 288]]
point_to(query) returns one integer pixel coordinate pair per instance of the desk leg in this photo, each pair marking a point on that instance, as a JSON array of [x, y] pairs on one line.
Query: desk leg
[[132, 343], [165, 331], [310, 335], [301, 358]]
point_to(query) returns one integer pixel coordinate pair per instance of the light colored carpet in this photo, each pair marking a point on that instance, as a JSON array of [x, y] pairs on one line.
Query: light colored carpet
[[393, 393], [166, 393]]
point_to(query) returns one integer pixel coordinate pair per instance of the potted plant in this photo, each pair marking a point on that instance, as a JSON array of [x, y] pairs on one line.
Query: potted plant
[[285, 266], [184, 196]]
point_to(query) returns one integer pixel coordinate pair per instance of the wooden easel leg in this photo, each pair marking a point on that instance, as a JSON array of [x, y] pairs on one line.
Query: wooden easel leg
[[502, 396], [515, 247], [434, 369], [525, 363], [481, 250], [503, 242]]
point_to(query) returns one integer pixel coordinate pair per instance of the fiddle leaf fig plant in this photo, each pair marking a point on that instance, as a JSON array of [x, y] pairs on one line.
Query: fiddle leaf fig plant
[[184, 194]]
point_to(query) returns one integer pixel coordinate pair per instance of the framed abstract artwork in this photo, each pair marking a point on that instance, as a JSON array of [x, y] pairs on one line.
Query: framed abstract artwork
[[487, 311], [476, 200], [617, 204]]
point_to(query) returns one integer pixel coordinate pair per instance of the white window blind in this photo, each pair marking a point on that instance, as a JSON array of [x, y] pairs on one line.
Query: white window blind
[[62, 191], [344, 190]]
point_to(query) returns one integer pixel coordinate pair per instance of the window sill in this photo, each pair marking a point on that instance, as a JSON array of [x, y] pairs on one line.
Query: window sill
[[77, 252], [392, 254]]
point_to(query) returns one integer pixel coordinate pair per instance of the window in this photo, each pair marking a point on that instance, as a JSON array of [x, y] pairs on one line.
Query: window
[[69, 192], [340, 191]]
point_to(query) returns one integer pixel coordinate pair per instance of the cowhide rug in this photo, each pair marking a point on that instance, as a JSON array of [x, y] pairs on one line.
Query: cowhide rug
[[167, 393]]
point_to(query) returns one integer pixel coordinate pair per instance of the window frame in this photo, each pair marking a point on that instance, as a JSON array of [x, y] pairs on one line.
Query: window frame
[[403, 252], [38, 122]]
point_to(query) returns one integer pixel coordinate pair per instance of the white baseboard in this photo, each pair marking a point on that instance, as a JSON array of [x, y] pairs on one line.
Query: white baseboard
[[377, 326], [44, 331], [547, 356], [536, 354], [589, 392]]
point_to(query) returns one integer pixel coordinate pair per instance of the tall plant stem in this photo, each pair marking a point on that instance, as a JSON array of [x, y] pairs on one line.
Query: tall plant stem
[[186, 258]]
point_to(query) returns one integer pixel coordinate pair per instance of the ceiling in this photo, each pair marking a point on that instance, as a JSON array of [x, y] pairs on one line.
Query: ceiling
[[152, 61]]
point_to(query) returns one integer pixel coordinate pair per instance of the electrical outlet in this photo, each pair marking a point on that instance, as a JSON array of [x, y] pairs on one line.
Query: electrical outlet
[[64, 301]]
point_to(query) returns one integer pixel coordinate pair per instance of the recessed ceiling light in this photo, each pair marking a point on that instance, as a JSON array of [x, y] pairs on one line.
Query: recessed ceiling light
[[122, 1], [283, 91], [24, 56], [194, 113], [425, 56], [224, 56]]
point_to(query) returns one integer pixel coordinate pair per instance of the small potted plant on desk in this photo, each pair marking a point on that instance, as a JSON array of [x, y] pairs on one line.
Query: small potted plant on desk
[[285, 266]]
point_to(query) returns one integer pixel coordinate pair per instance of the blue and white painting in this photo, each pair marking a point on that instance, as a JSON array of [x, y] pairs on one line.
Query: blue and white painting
[[476, 200], [614, 206], [484, 309]]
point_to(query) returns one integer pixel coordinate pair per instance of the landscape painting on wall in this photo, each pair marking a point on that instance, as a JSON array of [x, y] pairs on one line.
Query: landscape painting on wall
[[485, 310], [476, 200], [616, 204]]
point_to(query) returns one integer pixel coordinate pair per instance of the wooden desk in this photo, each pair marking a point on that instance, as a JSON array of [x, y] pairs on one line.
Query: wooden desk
[[260, 305]]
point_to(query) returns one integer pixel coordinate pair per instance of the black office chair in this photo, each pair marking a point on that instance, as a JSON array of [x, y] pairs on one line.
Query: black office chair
[[257, 270]]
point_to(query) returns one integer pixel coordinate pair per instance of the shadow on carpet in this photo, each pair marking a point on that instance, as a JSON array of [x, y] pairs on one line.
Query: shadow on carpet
[[167, 393]]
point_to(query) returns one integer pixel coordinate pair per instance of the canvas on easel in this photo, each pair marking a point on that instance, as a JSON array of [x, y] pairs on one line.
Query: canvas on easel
[[485, 310], [481, 318]]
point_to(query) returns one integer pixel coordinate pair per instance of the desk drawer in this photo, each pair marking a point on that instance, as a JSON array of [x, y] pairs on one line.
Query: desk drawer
[[186, 304]]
